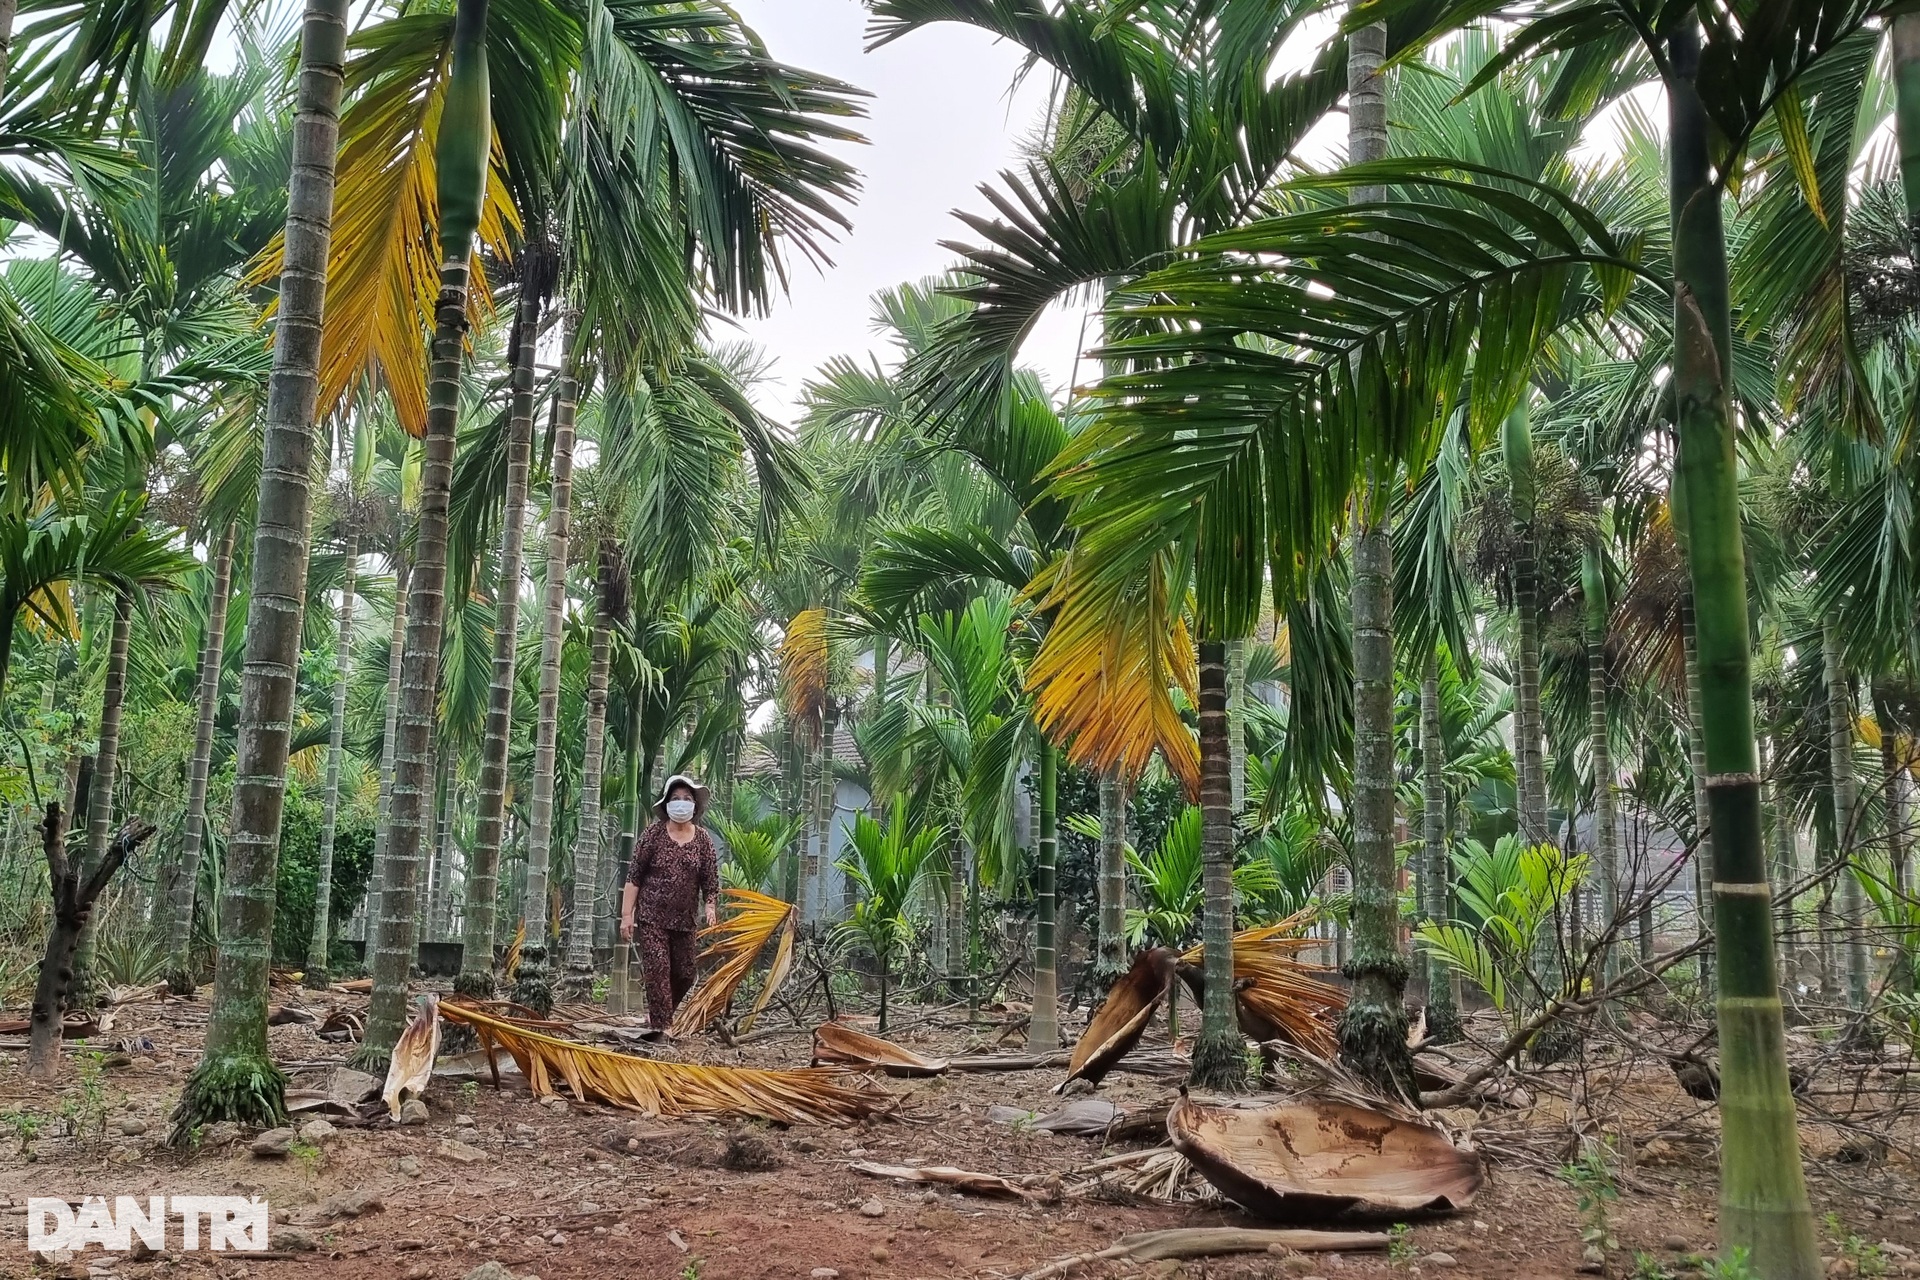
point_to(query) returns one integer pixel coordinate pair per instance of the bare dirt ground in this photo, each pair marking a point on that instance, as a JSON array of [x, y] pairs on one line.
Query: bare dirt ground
[[564, 1190]]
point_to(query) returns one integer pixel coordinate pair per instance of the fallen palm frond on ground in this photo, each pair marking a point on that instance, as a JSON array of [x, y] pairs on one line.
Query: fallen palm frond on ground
[[411, 1066], [751, 921], [837, 1043], [1121, 1021], [805, 1096], [1277, 994], [1214, 1242], [1159, 1174], [1313, 1159], [510, 963], [1039, 1188]]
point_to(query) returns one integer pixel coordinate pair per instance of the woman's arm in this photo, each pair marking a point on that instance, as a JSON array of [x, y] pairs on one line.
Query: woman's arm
[[627, 896], [710, 877]]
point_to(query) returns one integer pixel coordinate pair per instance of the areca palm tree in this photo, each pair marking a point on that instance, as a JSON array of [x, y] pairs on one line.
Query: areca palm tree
[[236, 1079]]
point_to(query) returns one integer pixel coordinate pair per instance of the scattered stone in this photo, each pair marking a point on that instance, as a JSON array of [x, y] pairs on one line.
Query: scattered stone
[[824, 1273], [463, 1122], [292, 1239], [525, 1131], [419, 1271], [132, 1126], [220, 1134], [873, 1209], [459, 1152], [619, 1229], [633, 1144], [588, 1206], [316, 1131], [489, 1271], [410, 1165], [1674, 1244], [274, 1142], [805, 1146], [407, 1246], [1593, 1261], [535, 1242], [412, 1111], [554, 1102], [749, 1152], [1439, 1260], [1294, 1264], [559, 1238], [879, 1253]]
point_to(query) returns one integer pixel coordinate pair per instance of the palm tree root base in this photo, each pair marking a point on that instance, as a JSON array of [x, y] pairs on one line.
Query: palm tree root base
[[1863, 1035], [577, 984], [1443, 1023], [1219, 1063], [475, 986], [372, 1060], [531, 986], [315, 979], [1556, 1042], [1373, 1045], [241, 1088], [181, 983]]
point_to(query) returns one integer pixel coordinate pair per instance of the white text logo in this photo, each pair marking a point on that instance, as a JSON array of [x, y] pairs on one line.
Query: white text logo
[[205, 1222]]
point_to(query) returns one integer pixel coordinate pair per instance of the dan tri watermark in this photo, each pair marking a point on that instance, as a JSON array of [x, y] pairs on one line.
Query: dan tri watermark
[[218, 1223]]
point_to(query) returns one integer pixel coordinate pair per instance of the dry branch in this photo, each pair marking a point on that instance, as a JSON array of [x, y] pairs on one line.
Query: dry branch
[[1213, 1242]]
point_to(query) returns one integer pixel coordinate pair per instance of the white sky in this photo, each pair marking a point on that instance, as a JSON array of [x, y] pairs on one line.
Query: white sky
[[942, 120]]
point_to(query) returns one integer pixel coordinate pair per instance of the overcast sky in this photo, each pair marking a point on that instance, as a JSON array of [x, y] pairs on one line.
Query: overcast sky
[[942, 120]]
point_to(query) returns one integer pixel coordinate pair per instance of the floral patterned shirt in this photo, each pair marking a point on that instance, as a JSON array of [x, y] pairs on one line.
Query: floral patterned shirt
[[672, 875]]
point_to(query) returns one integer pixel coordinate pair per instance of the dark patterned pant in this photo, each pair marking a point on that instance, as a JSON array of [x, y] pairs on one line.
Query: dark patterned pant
[[667, 956]]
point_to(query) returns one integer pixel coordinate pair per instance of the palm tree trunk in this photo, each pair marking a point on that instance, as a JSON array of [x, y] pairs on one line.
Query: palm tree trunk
[[1606, 833], [1846, 816], [586, 842], [1893, 801], [461, 156], [1373, 1031], [618, 998], [1702, 816], [236, 1078], [194, 836], [1043, 1031], [1113, 879], [1443, 1011], [316, 975], [476, 957], [818, 866], [396, 652], [533, 986], [1218, 1059], [1237, 721], [433, 916], [793, 773], [1763, 1198], [113, 700], [1785, 870]]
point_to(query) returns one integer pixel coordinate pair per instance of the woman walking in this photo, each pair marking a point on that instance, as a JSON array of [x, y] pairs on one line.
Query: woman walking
[[674, 864]]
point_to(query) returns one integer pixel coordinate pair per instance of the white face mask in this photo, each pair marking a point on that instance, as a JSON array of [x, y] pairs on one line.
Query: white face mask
[[680, 810]]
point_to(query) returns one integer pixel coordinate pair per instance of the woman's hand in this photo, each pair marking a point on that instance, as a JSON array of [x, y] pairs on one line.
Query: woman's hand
[[713, 915], [626, 928]]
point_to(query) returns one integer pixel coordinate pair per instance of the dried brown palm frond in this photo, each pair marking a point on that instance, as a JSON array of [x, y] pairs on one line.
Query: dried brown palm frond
[[1313, 1159], [751, 919], [835, 1042], [807, 1096], [1117, 1027], [1276, 993], [411, 1067]]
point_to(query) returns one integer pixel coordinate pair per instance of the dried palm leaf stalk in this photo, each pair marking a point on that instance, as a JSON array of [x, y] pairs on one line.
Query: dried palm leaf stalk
[[752, 918], [835, 1042], [1038, 1188], [1117, 1027], [411, 1067], [510, 963], [1277, 995], [807, 1096], [1318, 1159]]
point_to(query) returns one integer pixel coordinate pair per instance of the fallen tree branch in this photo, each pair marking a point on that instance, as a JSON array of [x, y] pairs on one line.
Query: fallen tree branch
[[1213, 1242]]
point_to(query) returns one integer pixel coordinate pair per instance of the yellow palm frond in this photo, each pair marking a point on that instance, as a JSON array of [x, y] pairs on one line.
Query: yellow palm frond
[[510, 963], [1283, 996], [807, 1095], [383, 269], [1103, 678], [752, 919], [803, 665]]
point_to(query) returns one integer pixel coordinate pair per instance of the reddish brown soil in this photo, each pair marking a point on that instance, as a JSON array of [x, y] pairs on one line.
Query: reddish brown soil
[[669, 1209]]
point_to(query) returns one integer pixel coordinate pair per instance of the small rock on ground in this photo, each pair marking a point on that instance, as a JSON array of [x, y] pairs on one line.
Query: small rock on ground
[[133, 1126], [316, 1131], [873, 1209], [274, 1142], [1440, 1260], [460, 1152], [292, 1239], [1674, 1244], [489, 1271], [824, 1273], [412, 1111], [410, 1166]]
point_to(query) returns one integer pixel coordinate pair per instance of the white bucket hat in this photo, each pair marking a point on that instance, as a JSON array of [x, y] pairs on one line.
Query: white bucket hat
[[700, 797]]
